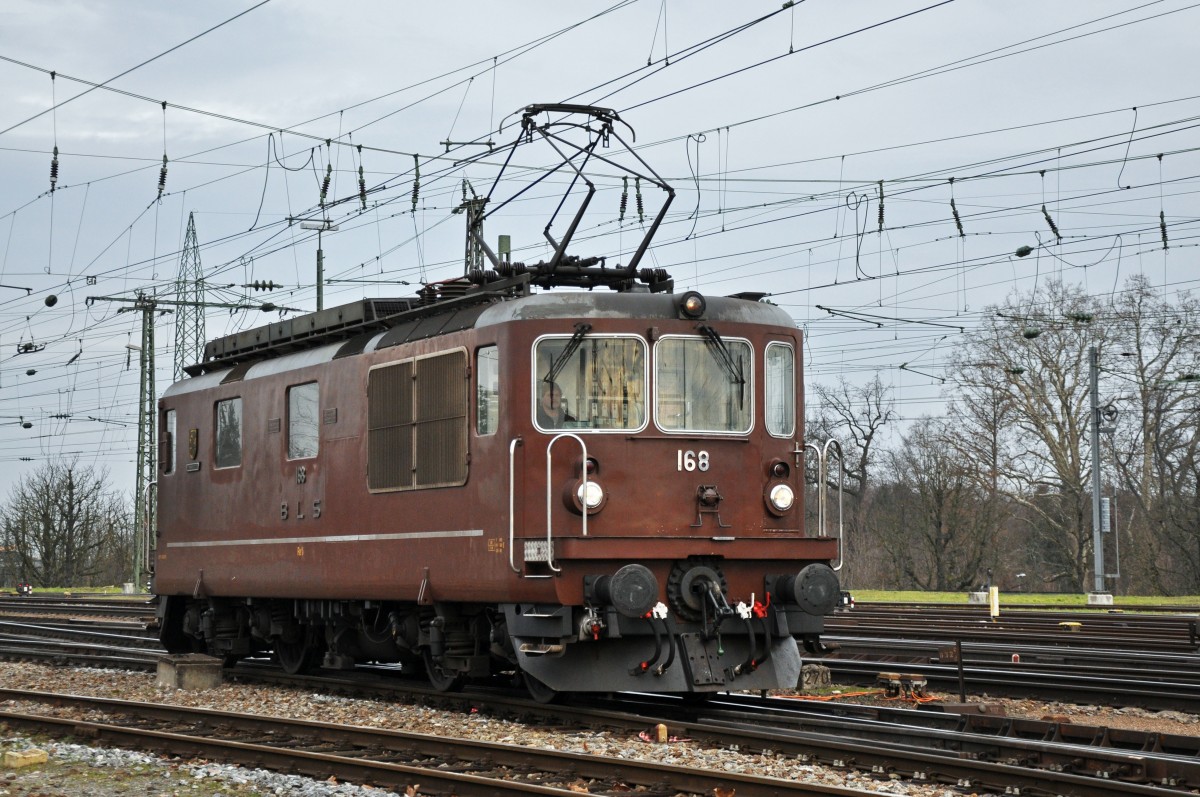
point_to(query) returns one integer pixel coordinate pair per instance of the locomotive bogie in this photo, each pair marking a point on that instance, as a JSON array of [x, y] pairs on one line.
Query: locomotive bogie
[[600, 491]]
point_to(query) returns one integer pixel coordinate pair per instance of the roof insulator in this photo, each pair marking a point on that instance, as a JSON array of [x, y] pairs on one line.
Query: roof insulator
[[416, 191], [162, 177], [1050, 221], [325, 182], [881, 206], [54, 170]]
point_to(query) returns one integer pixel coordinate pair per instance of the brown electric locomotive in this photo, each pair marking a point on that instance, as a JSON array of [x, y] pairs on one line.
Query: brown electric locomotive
[[594, 490]]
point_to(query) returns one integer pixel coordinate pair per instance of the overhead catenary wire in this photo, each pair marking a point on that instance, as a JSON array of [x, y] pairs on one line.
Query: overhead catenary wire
[[774, 58], [948, 67], [898, 208], [151, 60]]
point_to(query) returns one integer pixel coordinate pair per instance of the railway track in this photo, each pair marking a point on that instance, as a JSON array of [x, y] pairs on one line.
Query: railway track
[[117, 634], [1134, 665], [124, 644], [947, 747], [1117, 608], [90, 606], [1088, 677], [928, 744], [867, 739], [1139, 689], [1093, 630], [1115, 659], [395, 759]]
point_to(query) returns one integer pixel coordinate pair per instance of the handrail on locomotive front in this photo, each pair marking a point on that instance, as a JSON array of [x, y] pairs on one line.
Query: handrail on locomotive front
[[549, 493], [512, 532], [822, 493], [841, 495]]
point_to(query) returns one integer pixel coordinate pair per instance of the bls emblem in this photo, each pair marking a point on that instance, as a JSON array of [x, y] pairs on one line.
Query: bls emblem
[[193, 443]]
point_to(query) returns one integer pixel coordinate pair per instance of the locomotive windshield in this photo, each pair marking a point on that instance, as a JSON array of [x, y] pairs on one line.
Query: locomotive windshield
[[600, 384], [703, 385]]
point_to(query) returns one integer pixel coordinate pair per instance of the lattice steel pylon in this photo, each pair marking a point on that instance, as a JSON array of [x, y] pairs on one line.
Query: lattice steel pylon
[[144, 510], [189, 317], [473, 207]]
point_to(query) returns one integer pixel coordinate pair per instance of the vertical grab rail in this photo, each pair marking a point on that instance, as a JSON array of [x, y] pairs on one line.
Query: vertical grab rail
[[149, 529], [820, 487], [512, 535], [841, 494], [549, 497]]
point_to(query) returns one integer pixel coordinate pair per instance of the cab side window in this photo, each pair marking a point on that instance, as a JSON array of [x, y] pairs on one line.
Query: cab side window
[[487, 390], [229, 433], [167, 446], [302, 420], [780, 390]]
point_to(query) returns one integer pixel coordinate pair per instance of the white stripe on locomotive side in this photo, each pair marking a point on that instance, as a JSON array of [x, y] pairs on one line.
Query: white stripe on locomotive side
[[413, 535]]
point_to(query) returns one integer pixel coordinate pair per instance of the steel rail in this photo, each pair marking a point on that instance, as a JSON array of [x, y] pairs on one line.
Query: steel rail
[[1182, 638], [115, 635], [441, 765], [890, 746], [1135, 665], [1087, 611], [82, 605], [1079, 688], [883, 741]]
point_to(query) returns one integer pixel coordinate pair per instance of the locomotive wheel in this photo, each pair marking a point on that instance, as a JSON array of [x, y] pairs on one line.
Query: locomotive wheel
[[295, 657], [441, 679], [538, 690]]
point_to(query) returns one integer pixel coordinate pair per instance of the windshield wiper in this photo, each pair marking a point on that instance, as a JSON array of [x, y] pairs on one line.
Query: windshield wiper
[[721, 353], [560, 361]]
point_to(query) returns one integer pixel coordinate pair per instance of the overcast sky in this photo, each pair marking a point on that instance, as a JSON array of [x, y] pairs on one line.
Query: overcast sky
[[774, 126]]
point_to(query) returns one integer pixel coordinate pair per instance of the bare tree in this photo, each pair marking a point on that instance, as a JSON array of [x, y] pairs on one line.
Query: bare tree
[[855, 415], [63, 525], [1156, 449], [1023, 377], [981, 417], [1006, 481], [978, 433], [945, 536]]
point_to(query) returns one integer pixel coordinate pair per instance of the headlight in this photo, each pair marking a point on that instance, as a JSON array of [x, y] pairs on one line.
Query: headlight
[[691, 305], [594, 496], [781, 497]]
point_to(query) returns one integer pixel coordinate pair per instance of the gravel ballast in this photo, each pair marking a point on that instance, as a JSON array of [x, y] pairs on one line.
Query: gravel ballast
[[76, 769]]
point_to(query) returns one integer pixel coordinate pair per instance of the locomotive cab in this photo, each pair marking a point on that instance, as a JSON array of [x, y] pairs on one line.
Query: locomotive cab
[[676, 428]]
